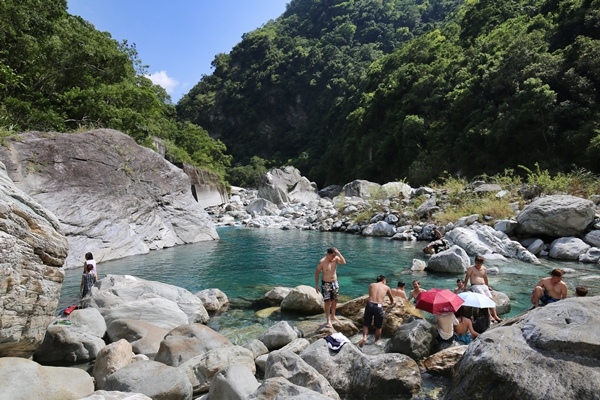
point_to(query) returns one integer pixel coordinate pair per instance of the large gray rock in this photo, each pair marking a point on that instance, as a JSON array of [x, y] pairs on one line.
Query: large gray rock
[[380, 228], [144, 337], [304, 191], [154, 379], [235, 382], [278, 335], [443, 361], [361, 188], [275, 296], [352, 372], [23, 379], [288, 365], [556, 216], [286, 185], [550, 353], [452, 261], [106, 197], [280, 388], [32, 252], [110, 359], [303, 299], [397, 189], [592, 238], [414, 339], [257, 348], [188, 341], [592, 256], [568, 248], [262, 207], [213, 299], [115, 395], [482, 239], [76, 343], [201, 369], [161, 304]]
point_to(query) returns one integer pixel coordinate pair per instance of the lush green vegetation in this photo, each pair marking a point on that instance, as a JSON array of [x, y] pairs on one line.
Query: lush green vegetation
[[58, 73], [382, 90], [283, 93], [464, 201], [343, 90]]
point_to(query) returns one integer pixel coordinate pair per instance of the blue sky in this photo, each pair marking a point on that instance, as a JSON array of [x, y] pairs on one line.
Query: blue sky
[[178, 39]]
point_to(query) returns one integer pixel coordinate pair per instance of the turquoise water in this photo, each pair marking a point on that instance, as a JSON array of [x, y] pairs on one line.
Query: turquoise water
[[246, 263]]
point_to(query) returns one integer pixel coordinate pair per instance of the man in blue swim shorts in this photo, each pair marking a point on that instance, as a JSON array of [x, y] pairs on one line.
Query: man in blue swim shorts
[[329, 284], [549, 290]]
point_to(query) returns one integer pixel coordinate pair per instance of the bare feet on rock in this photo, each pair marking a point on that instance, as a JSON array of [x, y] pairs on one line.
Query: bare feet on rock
[[362, 342]]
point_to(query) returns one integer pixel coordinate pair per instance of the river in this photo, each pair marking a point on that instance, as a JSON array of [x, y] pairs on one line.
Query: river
[[246, 263]]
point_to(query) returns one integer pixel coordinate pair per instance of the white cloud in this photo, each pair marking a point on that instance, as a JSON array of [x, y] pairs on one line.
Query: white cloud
[[162, 79]]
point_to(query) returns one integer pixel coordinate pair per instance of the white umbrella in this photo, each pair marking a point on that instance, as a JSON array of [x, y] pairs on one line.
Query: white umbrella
[[476, 300]]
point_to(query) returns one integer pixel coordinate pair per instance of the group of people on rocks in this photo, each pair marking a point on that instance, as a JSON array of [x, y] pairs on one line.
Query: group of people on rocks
[[450, 326]]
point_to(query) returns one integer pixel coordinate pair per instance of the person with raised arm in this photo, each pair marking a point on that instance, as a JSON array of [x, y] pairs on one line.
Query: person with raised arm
[[329, 288]]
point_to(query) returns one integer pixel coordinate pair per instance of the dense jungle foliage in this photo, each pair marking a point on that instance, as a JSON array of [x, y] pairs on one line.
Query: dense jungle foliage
[[372, 89], [387, 90], [58, 73]]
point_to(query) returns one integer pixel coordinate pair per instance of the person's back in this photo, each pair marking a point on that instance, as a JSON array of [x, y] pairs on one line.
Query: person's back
[[88, 279], [444, 323], [377, 292], [462, 327], [399, 292]]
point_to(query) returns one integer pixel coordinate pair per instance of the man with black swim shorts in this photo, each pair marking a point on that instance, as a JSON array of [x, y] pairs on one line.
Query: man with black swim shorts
[[374, 308], [329, 284]]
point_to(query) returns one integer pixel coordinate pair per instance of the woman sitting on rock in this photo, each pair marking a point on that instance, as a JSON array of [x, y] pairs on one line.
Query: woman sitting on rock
[[463, 331]]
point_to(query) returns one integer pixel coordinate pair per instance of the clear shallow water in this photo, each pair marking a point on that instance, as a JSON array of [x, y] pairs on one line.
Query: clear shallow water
[[246, 263]]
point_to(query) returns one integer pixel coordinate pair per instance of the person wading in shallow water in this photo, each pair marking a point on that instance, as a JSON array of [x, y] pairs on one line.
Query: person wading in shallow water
[[549, 290], [329, 283]]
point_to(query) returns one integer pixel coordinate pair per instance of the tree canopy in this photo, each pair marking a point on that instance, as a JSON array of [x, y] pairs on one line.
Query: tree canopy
[[386, 90], [57, 72]]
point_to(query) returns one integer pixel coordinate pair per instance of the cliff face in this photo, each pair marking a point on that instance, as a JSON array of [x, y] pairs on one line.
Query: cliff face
[[111, 196], [32, 252]]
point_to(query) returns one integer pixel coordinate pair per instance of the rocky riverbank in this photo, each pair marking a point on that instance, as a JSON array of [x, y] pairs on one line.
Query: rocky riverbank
[[560, 226], [147, 339], [50, 213]]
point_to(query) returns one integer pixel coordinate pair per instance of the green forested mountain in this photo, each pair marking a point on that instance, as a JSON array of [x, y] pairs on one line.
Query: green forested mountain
[[57, 72], [383, 90], [371, 89], [284, 91]]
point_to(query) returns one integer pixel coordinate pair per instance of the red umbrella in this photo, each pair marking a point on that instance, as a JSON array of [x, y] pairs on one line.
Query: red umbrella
[[438, 301]]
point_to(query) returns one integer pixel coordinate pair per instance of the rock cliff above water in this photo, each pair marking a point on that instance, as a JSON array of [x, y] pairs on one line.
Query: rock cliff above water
[[111, 196], [32, 251]]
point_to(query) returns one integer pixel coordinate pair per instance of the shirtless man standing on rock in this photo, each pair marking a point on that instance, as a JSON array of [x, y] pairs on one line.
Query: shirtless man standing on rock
[[477, 274], [549, 290], [329, 284], [374, 308]]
